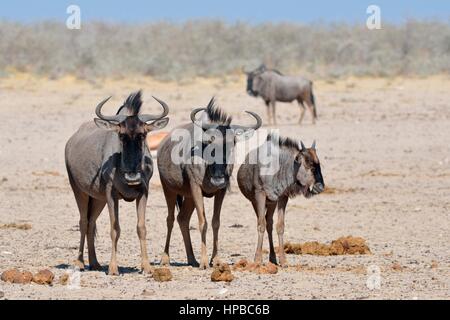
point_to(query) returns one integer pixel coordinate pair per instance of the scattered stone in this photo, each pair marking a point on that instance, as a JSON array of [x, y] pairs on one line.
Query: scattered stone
[[434, 264], [44, 277], [64, 279], [2, 294], [222, 272], [148, 293], [162, 274], [15, 276], [396, 267]]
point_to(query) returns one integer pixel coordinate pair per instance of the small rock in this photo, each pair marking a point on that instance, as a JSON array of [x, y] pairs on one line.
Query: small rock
[[397, 267], [222, 272], [162, 274], [15, 276], [434, 264], [44, 277], [64, 279], [147, 293], [2, 294]]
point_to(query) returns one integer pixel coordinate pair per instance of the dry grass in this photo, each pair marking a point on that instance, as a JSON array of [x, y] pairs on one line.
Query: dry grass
[[180, 51]]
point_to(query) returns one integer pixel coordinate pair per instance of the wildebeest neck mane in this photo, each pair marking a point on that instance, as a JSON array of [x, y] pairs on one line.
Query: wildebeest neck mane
[[132, 105], [284, 142], [216, 115]]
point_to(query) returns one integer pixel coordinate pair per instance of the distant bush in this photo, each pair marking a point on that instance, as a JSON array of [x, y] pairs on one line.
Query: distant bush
[[172, 51]]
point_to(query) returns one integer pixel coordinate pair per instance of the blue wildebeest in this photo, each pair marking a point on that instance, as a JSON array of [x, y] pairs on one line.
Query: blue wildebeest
[[186, 182], [272, 86], [297, 172], [107, 160]]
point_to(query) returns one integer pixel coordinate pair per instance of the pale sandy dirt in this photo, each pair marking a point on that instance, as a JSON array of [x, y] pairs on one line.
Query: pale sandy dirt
[[384, 146]]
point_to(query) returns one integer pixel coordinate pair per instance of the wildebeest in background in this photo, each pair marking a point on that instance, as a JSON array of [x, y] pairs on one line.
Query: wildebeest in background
[[298, 172], [186, 183], [107, 160], [272, 86]]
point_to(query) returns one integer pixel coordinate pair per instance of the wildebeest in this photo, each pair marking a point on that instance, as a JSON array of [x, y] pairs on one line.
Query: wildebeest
[[185, 183], [272, 85], [107, 160], [297, 171]]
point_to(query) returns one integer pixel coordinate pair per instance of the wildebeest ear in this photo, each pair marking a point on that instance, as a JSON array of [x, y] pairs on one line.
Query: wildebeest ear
[[107, 125], [157, 124]]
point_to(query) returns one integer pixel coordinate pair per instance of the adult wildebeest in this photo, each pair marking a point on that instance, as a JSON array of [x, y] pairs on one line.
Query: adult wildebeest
[[107, 160], [204, 169], [295, 170], [273, 86]]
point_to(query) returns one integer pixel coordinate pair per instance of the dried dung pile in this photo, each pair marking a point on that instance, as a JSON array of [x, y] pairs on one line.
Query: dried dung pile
[[341, 246]]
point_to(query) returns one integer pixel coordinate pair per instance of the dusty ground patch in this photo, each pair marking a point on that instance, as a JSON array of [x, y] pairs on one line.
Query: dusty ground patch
[[383, 144]]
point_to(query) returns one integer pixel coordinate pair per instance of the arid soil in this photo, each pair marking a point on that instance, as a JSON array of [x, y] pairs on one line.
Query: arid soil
[[385, 151]]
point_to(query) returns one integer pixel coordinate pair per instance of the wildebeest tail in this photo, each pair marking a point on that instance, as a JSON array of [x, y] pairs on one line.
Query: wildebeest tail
[[313, 101], [179, 202]]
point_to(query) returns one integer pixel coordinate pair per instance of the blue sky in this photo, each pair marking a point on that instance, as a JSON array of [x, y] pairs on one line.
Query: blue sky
[[230, 10]]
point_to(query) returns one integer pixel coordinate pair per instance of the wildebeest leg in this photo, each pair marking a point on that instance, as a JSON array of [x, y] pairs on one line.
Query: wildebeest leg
[[171, 199], [269, 221], [302, 110], [197, 196], [82, 200], [141, 204], [312, 109], [218, 200], [274, 116], [95, 208], [183, 218], [269, 115], [113, 207], [260, 205], [280, 229]]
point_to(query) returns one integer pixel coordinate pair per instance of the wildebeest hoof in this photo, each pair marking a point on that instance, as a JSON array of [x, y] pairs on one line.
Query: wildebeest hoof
[[146, 268], [193, 263], [165, 260], [95, 267], [215, 262], [79, 264], [113, 270]]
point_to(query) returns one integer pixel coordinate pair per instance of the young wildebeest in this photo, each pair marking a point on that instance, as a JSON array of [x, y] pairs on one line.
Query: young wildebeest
[[186, 182], [295, 170], [273, 86], [107, 160]]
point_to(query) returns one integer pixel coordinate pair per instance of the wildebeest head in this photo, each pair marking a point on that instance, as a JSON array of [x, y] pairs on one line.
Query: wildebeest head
[[132, 128], [219, 138], [309, 174], [253, 80]]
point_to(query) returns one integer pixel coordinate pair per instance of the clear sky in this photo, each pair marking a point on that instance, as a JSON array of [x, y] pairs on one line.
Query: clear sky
[[230, 10]]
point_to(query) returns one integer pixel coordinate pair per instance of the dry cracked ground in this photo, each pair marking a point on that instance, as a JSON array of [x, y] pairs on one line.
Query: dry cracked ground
[[385, 152]]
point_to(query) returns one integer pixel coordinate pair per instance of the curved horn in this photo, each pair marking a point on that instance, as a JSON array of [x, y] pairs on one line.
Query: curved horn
[[98, 112], [313, 146], [203, 125], [149, 117], [254, 127], [303, 146]]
